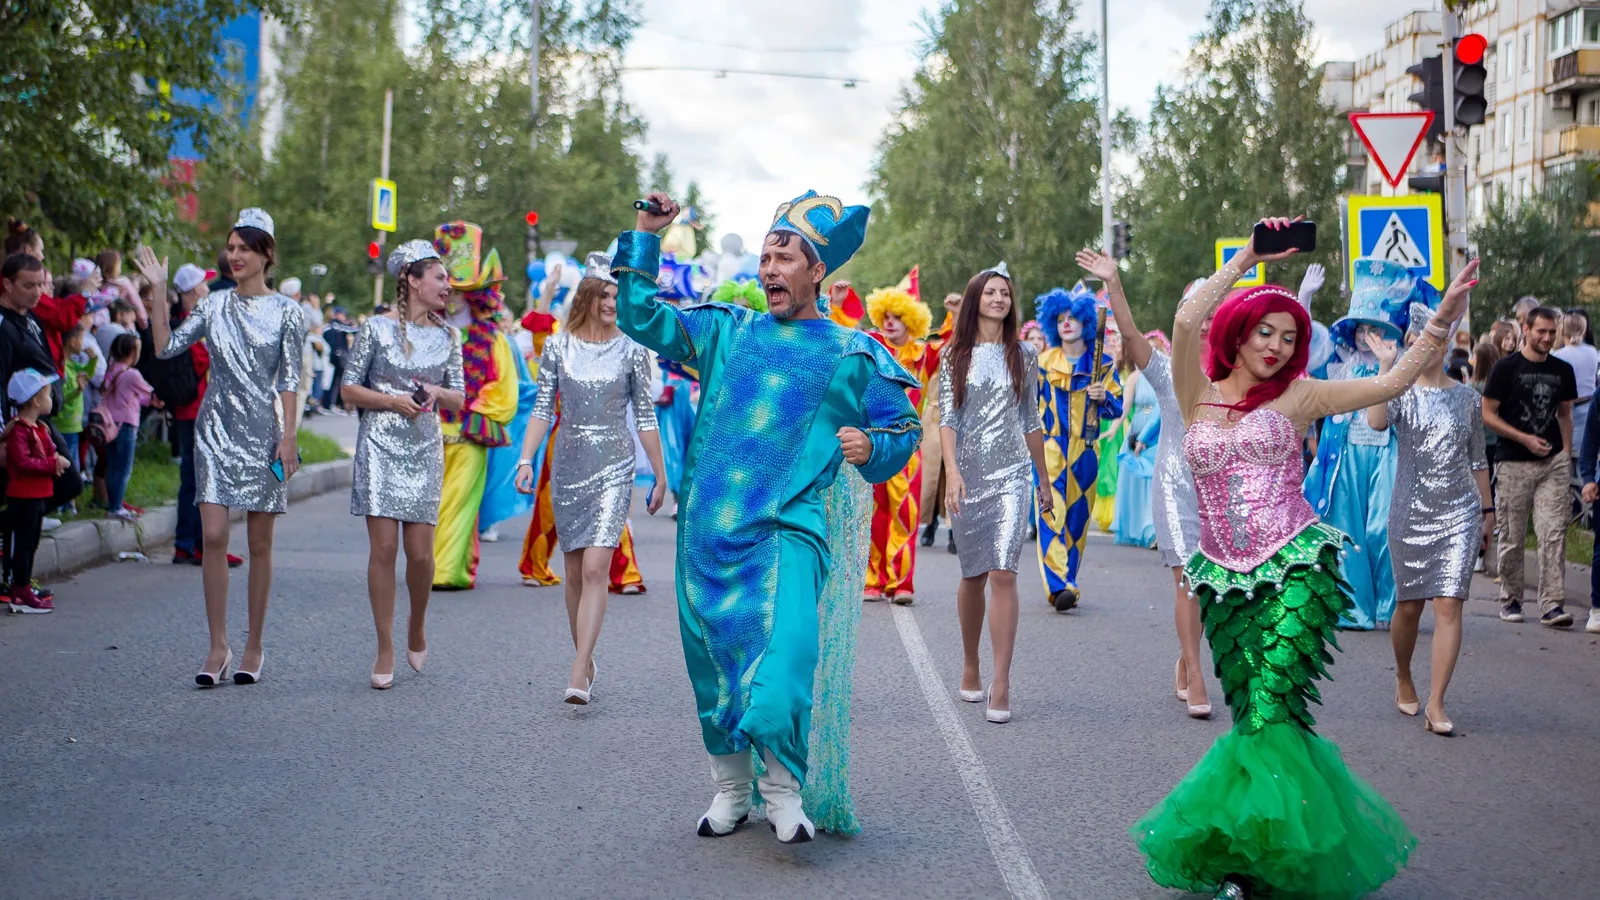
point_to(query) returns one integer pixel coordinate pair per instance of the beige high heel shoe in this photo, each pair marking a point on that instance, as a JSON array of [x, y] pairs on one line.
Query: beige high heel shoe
[[1408, 709], [415, 659], [212, 679], [382, 682], [1180, 681], [1445, 728]]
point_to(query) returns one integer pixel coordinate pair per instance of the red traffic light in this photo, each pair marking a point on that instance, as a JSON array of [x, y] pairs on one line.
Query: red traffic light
[[532, 218], [1470, 48], [373, 250]]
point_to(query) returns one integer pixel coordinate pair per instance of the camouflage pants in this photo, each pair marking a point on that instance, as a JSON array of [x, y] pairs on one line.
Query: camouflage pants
[[1540, 487]]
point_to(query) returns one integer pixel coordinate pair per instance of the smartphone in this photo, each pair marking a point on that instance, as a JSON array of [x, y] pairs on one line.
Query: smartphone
[[1300, 236], [277, 466], [420, 396], [649, 206]]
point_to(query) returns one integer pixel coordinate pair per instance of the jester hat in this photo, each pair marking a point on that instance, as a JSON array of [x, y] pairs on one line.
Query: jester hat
[[908, 309], [460, 245], [1079, 303], [833, 230]]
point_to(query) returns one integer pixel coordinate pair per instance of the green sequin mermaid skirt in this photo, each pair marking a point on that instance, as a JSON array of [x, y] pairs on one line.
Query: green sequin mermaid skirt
[[1271, 800]]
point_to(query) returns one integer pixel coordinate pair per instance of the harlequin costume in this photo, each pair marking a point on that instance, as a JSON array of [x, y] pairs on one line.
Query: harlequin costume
[[1072, 463], [770, 544], [1271, 807], [896, 503], [489, 365], [1351, 481], [539, 544]]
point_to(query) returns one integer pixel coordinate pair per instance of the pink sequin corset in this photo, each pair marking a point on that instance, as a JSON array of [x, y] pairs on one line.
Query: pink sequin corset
[[1248, 478]]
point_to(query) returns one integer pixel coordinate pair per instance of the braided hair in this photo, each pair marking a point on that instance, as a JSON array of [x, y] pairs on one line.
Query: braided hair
[[402, 298]]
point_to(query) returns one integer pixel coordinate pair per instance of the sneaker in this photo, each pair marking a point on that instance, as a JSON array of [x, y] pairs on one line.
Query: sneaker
[[50, 523], [42, 592], [1594, 622], [235, 562], [185, 558], [136, 510], [26, 601], [123, 515], [1511, 612], [1556, 618], [490, 536]]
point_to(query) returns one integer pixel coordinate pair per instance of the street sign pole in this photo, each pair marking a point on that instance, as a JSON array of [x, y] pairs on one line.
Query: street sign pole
[[388, 124], [1105, 129], [1455, 174]]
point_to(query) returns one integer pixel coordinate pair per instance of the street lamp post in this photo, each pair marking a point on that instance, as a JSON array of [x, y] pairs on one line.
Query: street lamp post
[[1105, 129]]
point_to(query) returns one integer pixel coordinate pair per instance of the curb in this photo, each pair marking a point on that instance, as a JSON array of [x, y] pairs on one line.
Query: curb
[[80, 545]]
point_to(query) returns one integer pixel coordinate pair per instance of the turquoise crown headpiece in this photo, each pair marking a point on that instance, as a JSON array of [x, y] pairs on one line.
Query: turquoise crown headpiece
[[1380, 296], [833, 230]]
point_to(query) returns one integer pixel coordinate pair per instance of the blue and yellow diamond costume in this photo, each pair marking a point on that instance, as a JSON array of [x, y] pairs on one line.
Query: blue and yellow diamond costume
[[1073, 463], [753, 530]]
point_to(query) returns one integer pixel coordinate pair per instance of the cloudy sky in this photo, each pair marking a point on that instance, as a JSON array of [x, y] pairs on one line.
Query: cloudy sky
[[736, 136]]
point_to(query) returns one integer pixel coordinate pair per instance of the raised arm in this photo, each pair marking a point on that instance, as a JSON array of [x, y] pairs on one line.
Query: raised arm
[[1309, 399], [1105, 268], [662, 327]]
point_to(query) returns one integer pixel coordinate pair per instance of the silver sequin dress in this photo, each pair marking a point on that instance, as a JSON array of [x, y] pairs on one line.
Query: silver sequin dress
[[1172, 497], [399, 465], [255, 345], [992, 457], [591, 472], [1436, 515]]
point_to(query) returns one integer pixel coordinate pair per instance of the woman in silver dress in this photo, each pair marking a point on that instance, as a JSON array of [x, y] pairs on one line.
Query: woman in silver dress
[[1172, 496], [1442, 506], [991, 439], [244, 437], [597, 374], [405, 365]]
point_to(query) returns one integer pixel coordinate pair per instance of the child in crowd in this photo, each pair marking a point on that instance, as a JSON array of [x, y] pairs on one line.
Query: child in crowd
[[32, 465], [126, 391], [82, 371], [123, 319]]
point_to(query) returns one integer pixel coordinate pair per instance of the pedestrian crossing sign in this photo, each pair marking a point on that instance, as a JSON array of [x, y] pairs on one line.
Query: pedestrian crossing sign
[[1228, 248], [385, 216], [1407, 230]]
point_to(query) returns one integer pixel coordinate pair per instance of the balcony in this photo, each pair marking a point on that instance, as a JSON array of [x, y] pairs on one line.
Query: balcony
[[1575, 70], [1562, 145]]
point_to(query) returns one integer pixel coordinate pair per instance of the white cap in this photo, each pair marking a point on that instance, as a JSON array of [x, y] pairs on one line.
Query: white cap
[[290, 286], [254, 217], [26, 383], [189, 277]]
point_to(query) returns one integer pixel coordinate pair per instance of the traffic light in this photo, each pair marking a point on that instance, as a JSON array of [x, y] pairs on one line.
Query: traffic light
[[1471, 77], [374, 264], [1120, 239], [1427, 183], [1431, 73]]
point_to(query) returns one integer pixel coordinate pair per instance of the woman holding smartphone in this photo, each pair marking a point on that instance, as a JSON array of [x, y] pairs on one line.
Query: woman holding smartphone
[[245, 448], [598, 374], [405, 364]]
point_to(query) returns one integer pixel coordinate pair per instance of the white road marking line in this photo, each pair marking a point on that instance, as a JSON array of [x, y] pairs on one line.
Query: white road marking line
[[1016, 867]]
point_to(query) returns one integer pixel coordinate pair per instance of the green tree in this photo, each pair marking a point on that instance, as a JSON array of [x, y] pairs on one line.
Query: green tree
[[694, 197], [94, 96], [1547, 246], [661, 175], [994, 154], [1245, 134]]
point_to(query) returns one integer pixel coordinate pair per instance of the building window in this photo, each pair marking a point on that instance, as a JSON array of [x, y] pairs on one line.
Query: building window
[[1505, 59], [1503, 123], [1527, 51], [1591, 26], [1524, 125], [1478, 200], [1558, 35], [1591, 112], [1524, 188]]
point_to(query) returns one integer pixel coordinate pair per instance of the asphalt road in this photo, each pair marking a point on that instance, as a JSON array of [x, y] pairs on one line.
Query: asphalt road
[[472, 779]]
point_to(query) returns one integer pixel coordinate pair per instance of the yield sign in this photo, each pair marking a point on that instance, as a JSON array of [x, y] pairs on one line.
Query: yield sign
[[1392, 139]]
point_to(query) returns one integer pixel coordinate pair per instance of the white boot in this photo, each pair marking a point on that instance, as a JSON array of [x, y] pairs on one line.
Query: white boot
[[781, 790], [731, 806]]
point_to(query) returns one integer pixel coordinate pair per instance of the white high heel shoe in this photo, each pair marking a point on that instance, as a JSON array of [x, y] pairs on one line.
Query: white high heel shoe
[[212, 679], [382, 682], [785, 814], [730, 808], [969, 696], [581, 697], [990, 714], [241, 676], [415, 659]]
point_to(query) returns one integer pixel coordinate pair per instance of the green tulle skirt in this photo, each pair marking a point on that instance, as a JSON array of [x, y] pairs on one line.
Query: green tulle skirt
[[1271, 800]]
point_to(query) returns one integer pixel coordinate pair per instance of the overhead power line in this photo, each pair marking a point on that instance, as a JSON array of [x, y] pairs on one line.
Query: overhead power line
[[724, 71], [746, 47]]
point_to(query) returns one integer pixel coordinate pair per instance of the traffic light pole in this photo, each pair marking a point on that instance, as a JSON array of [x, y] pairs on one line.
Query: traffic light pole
[[388, 123], [1105, 130], [1455, 169]]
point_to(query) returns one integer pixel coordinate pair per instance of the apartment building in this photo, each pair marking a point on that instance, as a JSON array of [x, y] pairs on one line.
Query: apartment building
[[1543, 93]]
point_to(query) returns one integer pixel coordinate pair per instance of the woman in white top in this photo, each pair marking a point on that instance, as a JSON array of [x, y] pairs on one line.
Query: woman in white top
[[1584, 360]]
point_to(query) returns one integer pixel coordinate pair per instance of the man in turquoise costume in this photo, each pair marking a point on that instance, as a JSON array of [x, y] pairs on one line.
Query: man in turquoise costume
[[786, 396]]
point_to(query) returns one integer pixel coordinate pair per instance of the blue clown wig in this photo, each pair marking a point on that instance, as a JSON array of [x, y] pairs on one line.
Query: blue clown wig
[[1079, 304]]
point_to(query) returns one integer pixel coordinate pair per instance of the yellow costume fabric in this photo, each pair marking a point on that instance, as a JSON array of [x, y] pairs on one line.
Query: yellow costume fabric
[[455, 541]]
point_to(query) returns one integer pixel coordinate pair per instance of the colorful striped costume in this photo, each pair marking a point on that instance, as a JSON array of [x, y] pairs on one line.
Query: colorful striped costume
[[1072, 462]]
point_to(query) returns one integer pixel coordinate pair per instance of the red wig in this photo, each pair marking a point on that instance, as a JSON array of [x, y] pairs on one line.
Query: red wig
[[1231, 326]]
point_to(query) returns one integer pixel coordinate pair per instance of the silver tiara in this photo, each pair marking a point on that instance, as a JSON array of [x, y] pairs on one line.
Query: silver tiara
[[998, 269], [410, 252], [598, 265], [255, 218]]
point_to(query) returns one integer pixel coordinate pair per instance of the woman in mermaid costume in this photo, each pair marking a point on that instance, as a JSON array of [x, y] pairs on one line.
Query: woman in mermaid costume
[[1271, 807]]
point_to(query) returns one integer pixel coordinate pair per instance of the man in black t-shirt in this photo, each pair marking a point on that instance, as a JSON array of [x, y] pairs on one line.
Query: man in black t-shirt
[[1528, 402]]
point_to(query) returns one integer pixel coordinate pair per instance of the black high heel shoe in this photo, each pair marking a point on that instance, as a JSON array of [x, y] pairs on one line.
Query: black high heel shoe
[[951, 546], [929, 533]]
